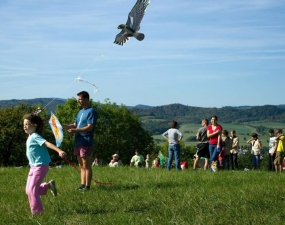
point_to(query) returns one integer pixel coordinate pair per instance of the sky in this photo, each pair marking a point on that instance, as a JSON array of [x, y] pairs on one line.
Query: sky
[[198, 53]]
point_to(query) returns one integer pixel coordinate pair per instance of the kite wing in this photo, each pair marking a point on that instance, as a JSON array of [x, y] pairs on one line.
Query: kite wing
[[137, 13], [122, 38], [56, 129]]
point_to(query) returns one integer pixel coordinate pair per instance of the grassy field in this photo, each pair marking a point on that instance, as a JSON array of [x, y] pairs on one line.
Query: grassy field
[[153, 196]]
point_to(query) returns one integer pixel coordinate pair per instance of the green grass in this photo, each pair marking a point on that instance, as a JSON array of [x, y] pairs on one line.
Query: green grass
[[154, 196]]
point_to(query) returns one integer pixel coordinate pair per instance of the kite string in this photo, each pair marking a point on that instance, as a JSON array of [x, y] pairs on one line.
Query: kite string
[[90, 65], [58, 95], [102, 55], [97, 182]]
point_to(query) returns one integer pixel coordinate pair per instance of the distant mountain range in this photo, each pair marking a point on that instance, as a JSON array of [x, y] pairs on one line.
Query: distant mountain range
[[227, 114], [179, 112]]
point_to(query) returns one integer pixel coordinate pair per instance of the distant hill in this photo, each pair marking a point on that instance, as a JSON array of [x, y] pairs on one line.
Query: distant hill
[[228, 114], [159, 116], [157, 119], [51, 103], [142, 106]]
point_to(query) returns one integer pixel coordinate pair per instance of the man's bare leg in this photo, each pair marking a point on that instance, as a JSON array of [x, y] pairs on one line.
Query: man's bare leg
[[196, 162], [87, 175], [206, 165]]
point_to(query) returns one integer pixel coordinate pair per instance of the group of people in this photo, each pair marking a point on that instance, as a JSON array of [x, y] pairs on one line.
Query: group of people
[[219, 145], [216, 144], [137, 161], [275, 153]]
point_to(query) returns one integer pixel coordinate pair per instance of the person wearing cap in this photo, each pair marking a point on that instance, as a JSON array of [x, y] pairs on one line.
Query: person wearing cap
[[279, 150], [255, 150], [115, 162], [272, 146]]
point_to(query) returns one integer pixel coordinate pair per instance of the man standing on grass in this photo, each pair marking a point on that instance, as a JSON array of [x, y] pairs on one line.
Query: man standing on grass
[[280, 150], [84, 129], [203, 146]]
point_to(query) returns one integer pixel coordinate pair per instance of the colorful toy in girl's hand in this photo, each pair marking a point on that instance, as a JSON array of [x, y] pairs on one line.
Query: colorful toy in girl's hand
[[56, 129]]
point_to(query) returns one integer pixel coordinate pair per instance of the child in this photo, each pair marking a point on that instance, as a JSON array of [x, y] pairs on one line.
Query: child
[[115, 162], [39, 160], [221, 157], [148, 162], [156, 163], [96, 162], [224, 155]]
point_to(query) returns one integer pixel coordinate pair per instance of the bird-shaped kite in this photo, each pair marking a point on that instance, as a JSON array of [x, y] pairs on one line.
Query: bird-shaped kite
[[131, 28]]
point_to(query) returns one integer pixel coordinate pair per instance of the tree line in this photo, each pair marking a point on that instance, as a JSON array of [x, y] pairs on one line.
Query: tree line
[[118, 130]]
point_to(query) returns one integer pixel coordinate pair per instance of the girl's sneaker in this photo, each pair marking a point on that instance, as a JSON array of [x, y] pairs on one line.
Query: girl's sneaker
[[53, 188]]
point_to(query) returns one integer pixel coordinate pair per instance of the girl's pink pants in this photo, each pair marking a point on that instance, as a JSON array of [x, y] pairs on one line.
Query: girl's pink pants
[[35, 187]]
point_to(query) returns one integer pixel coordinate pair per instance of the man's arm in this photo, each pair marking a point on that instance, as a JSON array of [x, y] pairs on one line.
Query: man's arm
[[87, 128], [69, 126]]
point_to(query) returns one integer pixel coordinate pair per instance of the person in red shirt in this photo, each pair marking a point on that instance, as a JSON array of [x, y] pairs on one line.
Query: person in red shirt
[[214, 134]]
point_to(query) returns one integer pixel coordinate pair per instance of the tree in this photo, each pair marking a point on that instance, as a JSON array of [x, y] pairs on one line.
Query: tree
[[117, 130], [12, 135]]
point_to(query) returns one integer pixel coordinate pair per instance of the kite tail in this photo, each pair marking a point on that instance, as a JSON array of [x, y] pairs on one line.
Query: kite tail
[[139, 36], [97, 182]]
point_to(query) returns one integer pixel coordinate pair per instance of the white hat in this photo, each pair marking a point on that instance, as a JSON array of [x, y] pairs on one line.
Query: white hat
[[115, 155]]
